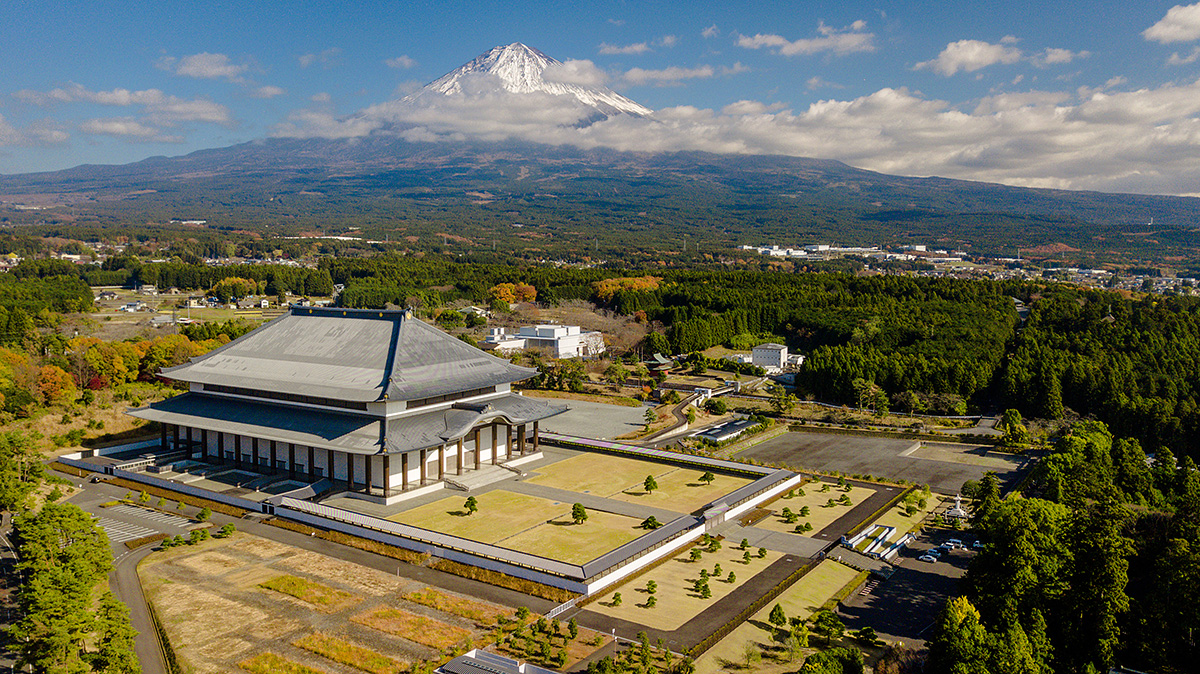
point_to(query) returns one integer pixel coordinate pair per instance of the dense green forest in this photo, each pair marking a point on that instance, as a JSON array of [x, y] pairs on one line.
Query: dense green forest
[[1080, 574]]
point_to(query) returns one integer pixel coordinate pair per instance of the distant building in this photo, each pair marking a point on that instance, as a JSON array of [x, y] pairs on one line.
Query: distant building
[[769, 356], [148, 289], [562, 341]]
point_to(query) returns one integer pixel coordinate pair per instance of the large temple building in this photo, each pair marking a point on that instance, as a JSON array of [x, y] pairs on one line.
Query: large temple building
[[376, 401]]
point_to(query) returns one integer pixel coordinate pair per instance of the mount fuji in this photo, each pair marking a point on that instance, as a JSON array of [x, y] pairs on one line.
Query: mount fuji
[[519, 69]]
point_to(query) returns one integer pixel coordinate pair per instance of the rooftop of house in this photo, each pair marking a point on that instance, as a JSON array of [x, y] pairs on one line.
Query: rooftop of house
[[356, 355]]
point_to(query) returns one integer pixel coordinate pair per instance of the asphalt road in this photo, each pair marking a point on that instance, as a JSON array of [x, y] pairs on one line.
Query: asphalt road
[[10, 581]]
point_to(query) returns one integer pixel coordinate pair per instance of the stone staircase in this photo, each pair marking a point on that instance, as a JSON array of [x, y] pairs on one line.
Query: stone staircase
[[474, 479]]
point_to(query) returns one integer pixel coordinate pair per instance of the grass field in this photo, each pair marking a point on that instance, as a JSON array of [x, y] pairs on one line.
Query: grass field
[[566, 541], [896, 517], [321, 596], [677, 602], [501, 514], [484, 615], [348, 653], [802, 599], [599, 474], [819, 516], [425, 631], [682, 491], [270, 663]]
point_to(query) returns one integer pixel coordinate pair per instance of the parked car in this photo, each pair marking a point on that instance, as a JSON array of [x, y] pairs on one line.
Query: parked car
[[953, 543], [927, 558], [936, 552], [978, 545]]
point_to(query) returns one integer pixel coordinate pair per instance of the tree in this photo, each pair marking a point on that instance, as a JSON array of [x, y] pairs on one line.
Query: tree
[[715, 406], [705, 592], [782, 401], [695, 554], [708, 477], [959, 643], [472, 505], [616, 374], [650, 416], [649, 484], [777, 617], [204, 514], [762, 553], [829, 625], [578, 513], [573, 628], [651, 601], [732, 578], [115, 649], [616, 600], [1015, 433], [651, 523], [522, 614], [987, 498], [651, 587]]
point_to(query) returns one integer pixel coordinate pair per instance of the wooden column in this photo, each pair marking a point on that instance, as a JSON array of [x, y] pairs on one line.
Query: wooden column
[[254, 452], [204, 443], [220, 448], [508, 441], [292, 460], [163, 442], [424, 460], [387, 474], [329, 464], [312, 465], [535, 436], [477, 449], [495, 444], [404, 471], [237, 450], [442, 461], [272, 457], [190, 447], [460, 456], [175, 436], [349, 471], [368, 458], [521, 438]]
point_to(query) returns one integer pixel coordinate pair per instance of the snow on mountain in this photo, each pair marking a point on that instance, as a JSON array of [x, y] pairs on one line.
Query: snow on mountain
[[519, 69]]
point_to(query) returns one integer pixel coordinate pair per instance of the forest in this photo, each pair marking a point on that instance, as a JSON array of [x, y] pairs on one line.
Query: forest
[[1078, 573]]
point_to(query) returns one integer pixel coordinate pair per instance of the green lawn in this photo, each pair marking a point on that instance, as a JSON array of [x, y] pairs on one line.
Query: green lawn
[[501, 514], [682, 491], [599, 474], [819, 516], [566, 541]]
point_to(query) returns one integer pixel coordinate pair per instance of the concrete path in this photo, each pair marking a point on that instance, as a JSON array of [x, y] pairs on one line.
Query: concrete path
[[778, 541], [127, 587]]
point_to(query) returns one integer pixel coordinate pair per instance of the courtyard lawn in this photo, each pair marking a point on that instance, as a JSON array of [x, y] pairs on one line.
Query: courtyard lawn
[[682, 491], [803, 598], [563, 540], [501, 514], [819, 516], [677, 603], [896, 517], [599, 474]]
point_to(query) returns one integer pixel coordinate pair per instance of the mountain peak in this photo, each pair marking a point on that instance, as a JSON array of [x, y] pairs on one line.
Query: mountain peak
[[520, 69]]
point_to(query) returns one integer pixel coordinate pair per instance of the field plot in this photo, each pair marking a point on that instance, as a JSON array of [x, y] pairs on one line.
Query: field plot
[[802, 599], [676, 600], [598, 474], [682, 491], [501, 514], [213, 602], [566, 541], [820, 513]]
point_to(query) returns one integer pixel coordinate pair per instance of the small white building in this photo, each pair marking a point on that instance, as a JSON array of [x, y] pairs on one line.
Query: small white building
[[769, 356], [562, 341]]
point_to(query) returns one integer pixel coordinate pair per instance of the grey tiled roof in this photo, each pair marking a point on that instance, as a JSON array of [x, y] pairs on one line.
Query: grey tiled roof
[[342, 431], [349, 354]]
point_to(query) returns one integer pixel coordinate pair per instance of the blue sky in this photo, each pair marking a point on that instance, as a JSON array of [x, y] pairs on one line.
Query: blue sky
[[1084, 95]]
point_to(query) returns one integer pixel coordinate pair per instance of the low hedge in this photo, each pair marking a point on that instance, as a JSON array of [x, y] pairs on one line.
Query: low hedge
[[409, 556], [179, 496]]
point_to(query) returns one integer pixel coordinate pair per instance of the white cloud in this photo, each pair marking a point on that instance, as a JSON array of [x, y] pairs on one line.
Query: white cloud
[[157, 108], [401, 62], [1055, 56], [969, 56], [666, 76], [322, 97], [848, 40], [816, 82], [1126, 140], [575, 71], [711, 31], [210, 66], [128, 128], [326, 58], [1177, 60], [268, 91], [668, 40], [1181, 24], [610, 49]]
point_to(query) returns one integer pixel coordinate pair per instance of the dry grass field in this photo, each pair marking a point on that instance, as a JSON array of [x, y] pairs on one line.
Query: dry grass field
[[211, 601], [599, 474], [820, 513], [566, 541], [682, 491], [501, 514], [677, 602], [802, 599]]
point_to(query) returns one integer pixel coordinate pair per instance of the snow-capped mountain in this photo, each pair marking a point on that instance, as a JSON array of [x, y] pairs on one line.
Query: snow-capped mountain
[[519, 69]]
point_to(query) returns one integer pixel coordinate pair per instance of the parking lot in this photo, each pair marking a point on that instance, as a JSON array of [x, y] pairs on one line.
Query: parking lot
[[942, 466], [905, 607]]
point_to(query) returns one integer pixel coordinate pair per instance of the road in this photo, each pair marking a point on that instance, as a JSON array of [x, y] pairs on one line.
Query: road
[[8, 574]]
